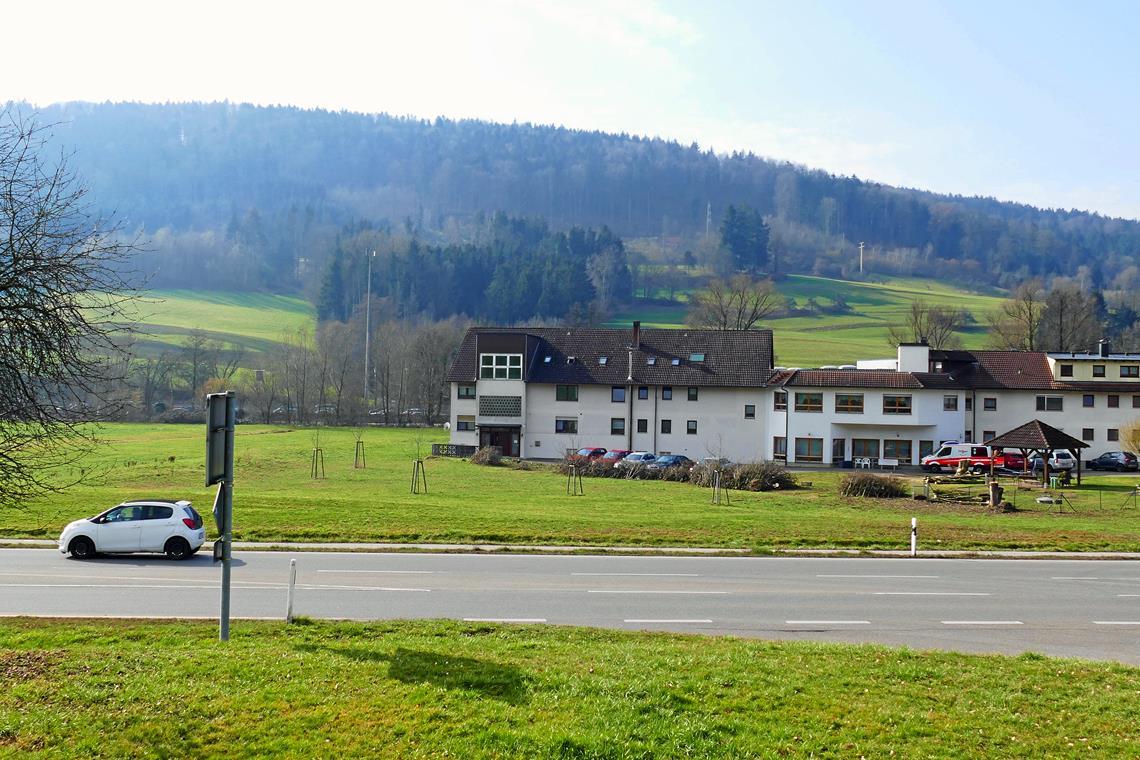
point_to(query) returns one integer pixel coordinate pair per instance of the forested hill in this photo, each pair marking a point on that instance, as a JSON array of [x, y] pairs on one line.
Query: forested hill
[[203, 166]]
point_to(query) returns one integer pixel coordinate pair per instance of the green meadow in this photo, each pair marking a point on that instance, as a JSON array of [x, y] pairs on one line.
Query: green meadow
[[112, 689], [256, 321], [811, 341], [277, 500]]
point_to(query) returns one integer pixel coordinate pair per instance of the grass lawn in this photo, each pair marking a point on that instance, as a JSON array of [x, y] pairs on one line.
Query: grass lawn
[[842, 339], [275, 500], [435, 689], [254, 320]]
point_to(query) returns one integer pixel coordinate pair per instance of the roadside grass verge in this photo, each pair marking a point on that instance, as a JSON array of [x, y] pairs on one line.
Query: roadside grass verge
[[275, 500], [434, 689]]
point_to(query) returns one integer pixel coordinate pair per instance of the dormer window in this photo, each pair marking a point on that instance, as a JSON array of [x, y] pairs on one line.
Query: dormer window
[[696, 357], [675, 362], [651, 361], [603, 359]]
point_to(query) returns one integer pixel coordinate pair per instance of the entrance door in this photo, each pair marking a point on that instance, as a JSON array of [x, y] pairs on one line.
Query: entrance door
[[505, 439], [838, 450]]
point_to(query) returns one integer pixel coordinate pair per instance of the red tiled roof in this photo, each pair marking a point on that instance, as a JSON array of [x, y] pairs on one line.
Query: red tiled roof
[[1036, 435]]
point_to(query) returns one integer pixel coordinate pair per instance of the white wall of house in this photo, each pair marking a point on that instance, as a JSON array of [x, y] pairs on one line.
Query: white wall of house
[[1092, 424]]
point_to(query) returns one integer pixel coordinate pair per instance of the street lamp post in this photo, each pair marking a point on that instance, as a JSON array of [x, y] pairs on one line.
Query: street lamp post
[[367, 330]]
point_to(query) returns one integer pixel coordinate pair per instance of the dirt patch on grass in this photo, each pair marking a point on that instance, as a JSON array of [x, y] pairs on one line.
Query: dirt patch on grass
[[26, 666]]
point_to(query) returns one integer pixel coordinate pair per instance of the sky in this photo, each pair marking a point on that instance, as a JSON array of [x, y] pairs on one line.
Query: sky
[[1026, 101]]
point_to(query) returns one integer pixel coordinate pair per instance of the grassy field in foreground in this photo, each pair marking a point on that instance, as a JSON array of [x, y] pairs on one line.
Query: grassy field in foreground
[[434, 689], [276, 500], [842, 339], [256, 321]]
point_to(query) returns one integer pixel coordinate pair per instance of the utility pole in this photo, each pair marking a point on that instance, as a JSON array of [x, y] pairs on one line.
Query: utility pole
[[860, 257], [368, 329], [708, 220]]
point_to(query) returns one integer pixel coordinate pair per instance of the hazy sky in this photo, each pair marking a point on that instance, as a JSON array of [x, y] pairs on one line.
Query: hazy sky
[[1031, 101]]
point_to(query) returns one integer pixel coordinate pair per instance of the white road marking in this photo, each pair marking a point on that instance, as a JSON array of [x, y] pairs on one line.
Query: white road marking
[[504, 620], [931, 593], [1116, 622], [876, 576], [1128, 595], [982, 622], [400, 572], [213, 586], [657, 575], [1072, 578], [677, 620], [827, 622], [329, 587], [648, 591]]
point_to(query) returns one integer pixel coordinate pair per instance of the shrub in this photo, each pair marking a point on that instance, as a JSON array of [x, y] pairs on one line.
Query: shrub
[[762, 476], [867, 485], [487, 456]]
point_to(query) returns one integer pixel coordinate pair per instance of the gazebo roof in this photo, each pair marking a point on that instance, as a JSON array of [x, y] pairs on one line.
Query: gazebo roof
[[1036, 435]]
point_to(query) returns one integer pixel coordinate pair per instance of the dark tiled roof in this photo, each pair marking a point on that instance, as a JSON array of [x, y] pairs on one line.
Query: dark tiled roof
[[1036, 435], [731, 358], [1101, 386], [853, 378]]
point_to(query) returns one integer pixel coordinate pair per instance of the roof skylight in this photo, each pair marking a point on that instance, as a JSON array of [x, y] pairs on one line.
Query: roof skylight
[[546, 359], [651, 361], [603, 359], [676, 361], [696, 357]]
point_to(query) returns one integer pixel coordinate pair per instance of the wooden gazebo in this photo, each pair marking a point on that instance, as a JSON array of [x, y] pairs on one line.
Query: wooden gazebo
[[1040, 438]]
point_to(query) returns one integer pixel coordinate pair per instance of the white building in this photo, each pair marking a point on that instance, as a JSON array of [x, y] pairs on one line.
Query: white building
[[540, 392]]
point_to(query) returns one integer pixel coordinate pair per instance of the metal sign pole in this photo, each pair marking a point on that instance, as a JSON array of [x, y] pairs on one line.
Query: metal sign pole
[[220, 418]]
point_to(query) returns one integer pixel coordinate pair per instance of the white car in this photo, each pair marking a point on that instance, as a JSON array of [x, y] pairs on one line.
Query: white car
[[171, 527], [1060, 460], [636, 458]]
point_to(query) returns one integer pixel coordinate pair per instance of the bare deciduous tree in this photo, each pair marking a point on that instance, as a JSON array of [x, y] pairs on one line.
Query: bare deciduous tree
[[1068, 319], [937, 325], [735, 304], [1015, 325], [61, 298]]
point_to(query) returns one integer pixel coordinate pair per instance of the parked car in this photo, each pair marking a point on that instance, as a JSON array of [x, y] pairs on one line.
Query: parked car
[[588, 453], [171, 527], [979, 457], [670, 460], [1121, 461], [285, 409], [613, 456], [324, 408], [1060, 460], [637, 459]]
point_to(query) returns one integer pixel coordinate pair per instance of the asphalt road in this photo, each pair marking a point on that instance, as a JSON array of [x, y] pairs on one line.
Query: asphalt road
[[1076, 608]]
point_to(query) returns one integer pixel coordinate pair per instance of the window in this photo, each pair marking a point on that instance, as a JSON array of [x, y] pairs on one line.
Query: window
[[780, 401], [809, 402], [950, 403], [1086, 434], [989, 404], [896, 404], [1113, 402], [749, 411], [568, 426], [1130, 370], [1050, 404], [153, 512], [809, 449], [693, 393], [666, 427], [1088, 400], [925, 449], [865, 448], [969, 437], [779, 447], [603, 360], [1136, 402], [617, 394], [896, 449], [849, 403], [466, 391], [1113, 434], [666, 393], [691, 427], [838, 449], [643, 392], [642, 425], [696, 357], [500, 366], [988, 435], [1066, 370], [617, 425], [1098, 370], [465, 422], [969, 403], [651, 361], [675, 362], [566, 393]]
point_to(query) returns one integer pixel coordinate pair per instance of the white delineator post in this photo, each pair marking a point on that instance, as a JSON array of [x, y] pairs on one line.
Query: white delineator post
[[292, 585], [914, 536]]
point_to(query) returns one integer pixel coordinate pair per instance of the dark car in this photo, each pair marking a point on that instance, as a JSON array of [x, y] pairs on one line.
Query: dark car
[[588, 453], [669, 460], [1121, 461]]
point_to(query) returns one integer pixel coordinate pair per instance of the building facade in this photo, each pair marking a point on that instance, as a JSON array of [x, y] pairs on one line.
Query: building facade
[[542, 392]]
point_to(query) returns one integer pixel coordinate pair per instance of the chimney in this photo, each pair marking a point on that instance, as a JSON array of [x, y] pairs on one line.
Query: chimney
[[914, 357], [636, 335], [1104, 349]]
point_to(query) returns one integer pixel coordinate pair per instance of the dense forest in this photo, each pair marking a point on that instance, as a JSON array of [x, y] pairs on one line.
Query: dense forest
[[258, 197]]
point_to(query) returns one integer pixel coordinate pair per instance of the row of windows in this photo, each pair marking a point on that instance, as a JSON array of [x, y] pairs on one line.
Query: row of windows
[[1126, 370], [569, 426], [811, 449], [846, 403], [1111, 434], [1112, 400]]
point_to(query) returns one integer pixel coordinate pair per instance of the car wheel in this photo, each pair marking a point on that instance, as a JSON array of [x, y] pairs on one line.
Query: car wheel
[[81, 548], [178, 548]]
